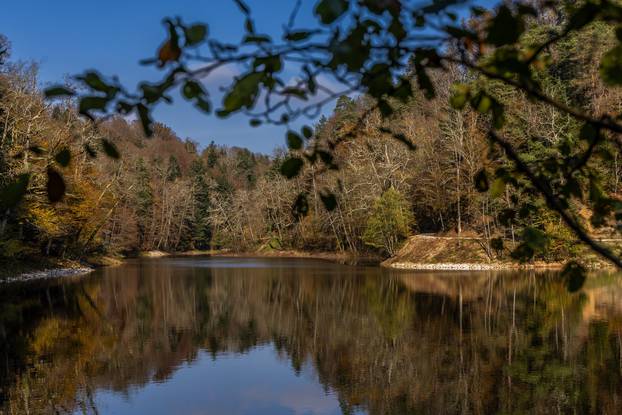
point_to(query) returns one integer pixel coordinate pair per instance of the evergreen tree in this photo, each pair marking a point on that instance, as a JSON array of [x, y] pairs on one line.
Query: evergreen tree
[[174, 170], [389, 222], [245, 166], [212, 155]]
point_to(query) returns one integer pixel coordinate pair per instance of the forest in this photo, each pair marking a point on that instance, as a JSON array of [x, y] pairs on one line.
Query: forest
[[371, 192]]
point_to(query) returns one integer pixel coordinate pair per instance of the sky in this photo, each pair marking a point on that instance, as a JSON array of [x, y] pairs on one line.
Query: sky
[[66, 37]]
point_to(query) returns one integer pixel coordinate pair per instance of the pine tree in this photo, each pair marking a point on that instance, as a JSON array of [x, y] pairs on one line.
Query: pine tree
[[389, 222], [212, 155], [173, 171]]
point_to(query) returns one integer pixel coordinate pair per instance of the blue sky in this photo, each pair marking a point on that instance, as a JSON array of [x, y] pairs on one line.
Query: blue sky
[[68, 36]]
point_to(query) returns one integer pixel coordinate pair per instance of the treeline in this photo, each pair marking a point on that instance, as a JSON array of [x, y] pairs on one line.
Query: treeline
[[163, 193], [421, 169], [147, 194]]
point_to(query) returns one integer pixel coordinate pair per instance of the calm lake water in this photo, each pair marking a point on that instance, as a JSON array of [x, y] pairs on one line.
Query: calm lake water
[[274, 336]]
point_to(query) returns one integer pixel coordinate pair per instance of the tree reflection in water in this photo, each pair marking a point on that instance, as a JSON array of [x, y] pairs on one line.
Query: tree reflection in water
[[383, 342]]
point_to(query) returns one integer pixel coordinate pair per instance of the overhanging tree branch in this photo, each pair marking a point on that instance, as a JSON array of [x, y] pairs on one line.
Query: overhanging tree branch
[[553, 201]]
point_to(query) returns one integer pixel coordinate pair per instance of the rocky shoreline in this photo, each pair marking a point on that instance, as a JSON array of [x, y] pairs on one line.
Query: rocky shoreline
[[47, 273], [469, 266], [447, 266]]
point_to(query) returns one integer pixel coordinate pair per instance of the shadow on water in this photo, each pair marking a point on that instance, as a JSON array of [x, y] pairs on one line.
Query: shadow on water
[[281, 336]]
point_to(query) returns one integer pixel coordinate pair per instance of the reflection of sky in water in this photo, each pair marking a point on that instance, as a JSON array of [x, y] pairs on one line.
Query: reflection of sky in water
[[237, 384]]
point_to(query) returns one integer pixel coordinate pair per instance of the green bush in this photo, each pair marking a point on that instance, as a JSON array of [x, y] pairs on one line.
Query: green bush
[[389, 223]]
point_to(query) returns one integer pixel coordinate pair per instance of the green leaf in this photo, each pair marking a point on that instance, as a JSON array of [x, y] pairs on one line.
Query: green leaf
[[307, 132], [55, 185], [574, 274], [151, 93], [298, 36], [583, 16], [89, 103], [481, 181], [481, 102], [460, 32], [271, 63], [300, 208], [94, 81], [297, 92], [145, 119], [328, 200], [498, 118], [257, 39], [195, 34], [611, 66], [497, 188], [203, 105], [505, 28], [424, 82], [58, 91], [291, 167], [506, 216], [588, 132], [403, 91], [63, 157], [243, 93], [13, 192], [535, 238], [330, 10], [90, 151], [124, 107], [255, 122], [378, 80], [110, 149], [404, 140], [397, 29], [311, 84], [379, 7], [294, 142], [523, 252], [385, 108], [192, 89], [460, 96], [496, 244], [327, 158]]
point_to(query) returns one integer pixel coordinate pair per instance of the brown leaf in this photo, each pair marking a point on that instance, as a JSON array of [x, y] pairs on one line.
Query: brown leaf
[[169, 52]]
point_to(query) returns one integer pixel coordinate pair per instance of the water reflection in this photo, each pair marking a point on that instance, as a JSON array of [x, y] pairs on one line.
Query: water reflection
[[250, 336]]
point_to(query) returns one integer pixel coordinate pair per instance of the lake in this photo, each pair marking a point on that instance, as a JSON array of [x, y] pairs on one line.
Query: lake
[[305, 337]]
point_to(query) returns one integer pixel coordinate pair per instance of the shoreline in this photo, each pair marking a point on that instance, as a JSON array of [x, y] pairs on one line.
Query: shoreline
[[451, 266], [47, 268], [47, 274], [340, 257], [50, 269]]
